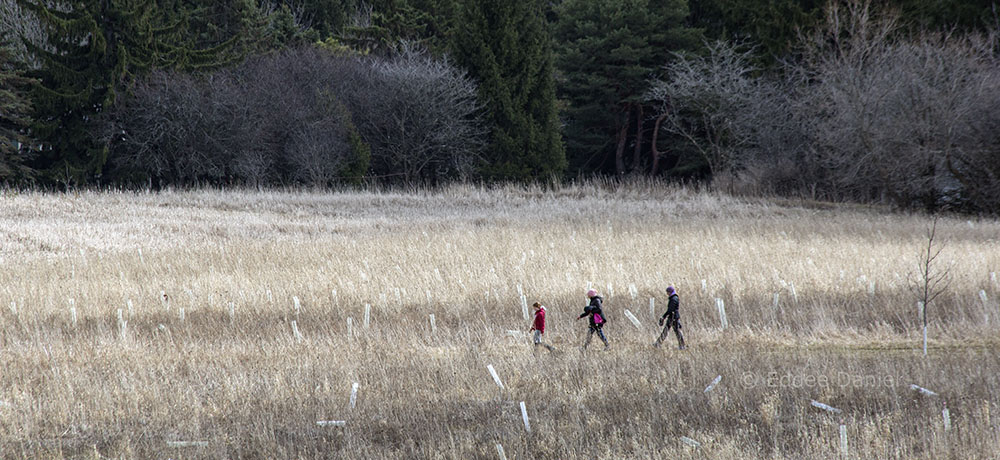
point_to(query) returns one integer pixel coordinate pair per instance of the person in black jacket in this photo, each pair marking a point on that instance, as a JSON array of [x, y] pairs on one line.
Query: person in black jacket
[[597, 318], [673, 319]]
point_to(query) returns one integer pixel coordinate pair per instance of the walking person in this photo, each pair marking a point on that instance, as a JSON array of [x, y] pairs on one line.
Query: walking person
[[538, 326], [597, 318], [672, 318]]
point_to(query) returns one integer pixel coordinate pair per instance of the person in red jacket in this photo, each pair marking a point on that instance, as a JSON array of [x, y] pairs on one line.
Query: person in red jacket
[[538, 326]]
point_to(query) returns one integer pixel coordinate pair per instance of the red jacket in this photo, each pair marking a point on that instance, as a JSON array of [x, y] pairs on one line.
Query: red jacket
[[539, 323]]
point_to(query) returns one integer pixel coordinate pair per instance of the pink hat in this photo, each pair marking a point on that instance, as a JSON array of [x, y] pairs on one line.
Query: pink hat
[[592, 293]]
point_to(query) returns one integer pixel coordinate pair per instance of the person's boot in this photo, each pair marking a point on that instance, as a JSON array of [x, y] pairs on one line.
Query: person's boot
[[680, 340]]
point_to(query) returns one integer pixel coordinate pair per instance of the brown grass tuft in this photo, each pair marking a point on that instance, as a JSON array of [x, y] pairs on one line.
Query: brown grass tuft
[[844, 329]]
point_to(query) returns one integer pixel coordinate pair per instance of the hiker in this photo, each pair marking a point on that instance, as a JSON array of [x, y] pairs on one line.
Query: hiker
[[597, 318], [673, 319], [538, 326]]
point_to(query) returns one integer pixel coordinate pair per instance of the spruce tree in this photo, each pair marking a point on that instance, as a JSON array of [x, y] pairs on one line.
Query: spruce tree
[[506, 47], [99, 47], [771, 27], [427, 22], [14, 107], [326, 17], [608, 50]]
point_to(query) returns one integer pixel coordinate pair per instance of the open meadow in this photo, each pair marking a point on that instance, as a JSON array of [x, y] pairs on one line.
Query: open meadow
[[225, 324]]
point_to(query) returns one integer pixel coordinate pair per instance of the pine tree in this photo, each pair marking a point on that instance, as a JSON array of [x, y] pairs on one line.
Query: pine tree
[[326, 17], [772, 27], [14, 108], [429, 23], [506, 47], [608, 50], [100, 46]]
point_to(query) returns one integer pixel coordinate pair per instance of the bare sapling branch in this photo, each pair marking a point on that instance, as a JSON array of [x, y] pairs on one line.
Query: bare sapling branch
[[931, 280]]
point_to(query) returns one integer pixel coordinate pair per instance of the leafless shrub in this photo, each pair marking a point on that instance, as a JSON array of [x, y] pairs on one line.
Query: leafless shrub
[[420, 116], [271, 119], [288, 117], [866, 114], [732, 118], [890, 114], [302, 122], [703, 100], [163, 130]]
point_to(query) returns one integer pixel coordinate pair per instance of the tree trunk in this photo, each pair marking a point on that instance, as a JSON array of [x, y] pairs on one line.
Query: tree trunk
[[653, 150], [620, 148], [636, 165]]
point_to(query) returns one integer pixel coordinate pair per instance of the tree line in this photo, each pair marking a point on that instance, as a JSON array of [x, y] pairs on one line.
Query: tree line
[[834, 99]]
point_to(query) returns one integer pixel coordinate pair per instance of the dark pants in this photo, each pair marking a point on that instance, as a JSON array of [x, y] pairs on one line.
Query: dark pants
[[600, 333], [673, 322]]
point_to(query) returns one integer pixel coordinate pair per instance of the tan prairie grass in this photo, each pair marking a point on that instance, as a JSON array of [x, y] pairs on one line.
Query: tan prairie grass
[[818, 300]]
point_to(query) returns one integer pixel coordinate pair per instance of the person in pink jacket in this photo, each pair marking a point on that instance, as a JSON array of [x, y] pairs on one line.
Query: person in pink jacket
[[597, 318], [538, 326]]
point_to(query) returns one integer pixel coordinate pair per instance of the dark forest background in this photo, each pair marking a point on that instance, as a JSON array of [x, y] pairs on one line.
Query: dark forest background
[[893, 101]]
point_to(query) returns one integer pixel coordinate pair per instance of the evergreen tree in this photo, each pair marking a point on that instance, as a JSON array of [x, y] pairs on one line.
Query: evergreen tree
[[98, 47], [771, 26], [958, 15], [608, 50], [384, 23], [505, 45], [14, 108], [326, 17]]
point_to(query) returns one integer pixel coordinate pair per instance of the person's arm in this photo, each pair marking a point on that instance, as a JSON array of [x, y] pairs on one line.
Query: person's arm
[[672, 306]]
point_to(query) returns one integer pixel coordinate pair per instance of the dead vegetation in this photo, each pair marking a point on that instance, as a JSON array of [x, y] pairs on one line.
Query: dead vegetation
[[817, 301]]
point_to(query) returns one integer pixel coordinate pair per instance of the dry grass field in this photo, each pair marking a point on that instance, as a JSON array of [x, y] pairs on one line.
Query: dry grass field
[[262, 330]]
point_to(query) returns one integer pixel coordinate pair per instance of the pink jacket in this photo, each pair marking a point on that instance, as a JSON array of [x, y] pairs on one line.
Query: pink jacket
[[539, 323]]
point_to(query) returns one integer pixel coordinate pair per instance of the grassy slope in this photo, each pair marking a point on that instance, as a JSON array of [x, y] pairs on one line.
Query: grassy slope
[[843, 329]]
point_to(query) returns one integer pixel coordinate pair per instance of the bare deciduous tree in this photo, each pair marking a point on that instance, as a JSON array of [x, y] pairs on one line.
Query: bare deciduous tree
[[290, 117], [717, 105], [158, 131], [420, 115], [269, 119], [888, 114], [301, 122], [930, 280], [867, 113], [19, 23]]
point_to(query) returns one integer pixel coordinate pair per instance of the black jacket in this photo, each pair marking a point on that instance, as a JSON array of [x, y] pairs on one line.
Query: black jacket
[[594, 308], [673, 307]]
